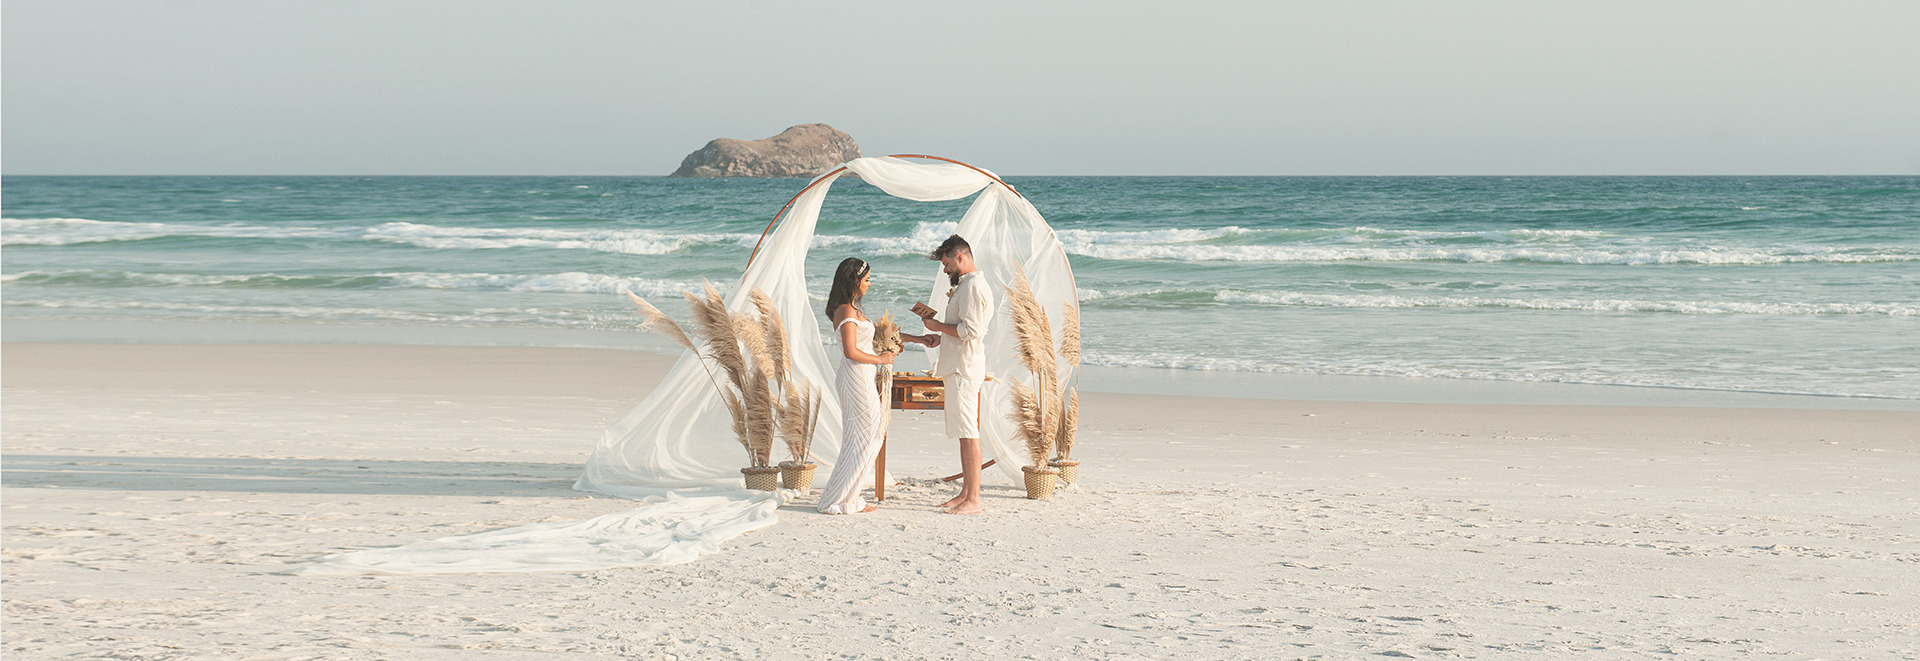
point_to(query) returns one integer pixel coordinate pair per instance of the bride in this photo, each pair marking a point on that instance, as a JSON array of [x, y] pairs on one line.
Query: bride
[[859, 393]]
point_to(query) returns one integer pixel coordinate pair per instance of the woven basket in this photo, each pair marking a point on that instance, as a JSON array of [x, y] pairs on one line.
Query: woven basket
[[1069, 469], [763, 478], [798, 477], [1040, 481]]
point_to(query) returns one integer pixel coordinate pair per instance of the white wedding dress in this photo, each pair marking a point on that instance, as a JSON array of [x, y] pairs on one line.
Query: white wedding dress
[[860, 432]]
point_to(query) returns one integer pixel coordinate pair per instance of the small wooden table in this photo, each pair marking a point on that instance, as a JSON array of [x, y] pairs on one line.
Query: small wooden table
[[912, 391]]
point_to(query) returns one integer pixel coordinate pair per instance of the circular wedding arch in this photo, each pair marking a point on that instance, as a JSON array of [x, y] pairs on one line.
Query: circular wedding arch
[[680, 437]]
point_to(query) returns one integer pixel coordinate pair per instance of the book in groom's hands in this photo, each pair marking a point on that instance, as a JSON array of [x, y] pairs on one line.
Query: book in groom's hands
[[925, 311]]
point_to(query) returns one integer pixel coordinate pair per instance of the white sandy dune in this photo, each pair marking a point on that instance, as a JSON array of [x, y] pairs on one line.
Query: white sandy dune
[[151, 493]]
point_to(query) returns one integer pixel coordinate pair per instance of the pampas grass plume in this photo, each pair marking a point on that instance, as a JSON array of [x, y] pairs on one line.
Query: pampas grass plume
[[1033, 342], [1068, 424], [659, 322], [775, 331], [1028, 426], [739, 418], [754, 339], [886, 334], [1032, 334], [1070, 335], [710, 314], [886, 337], [759, 417], [793, 422]]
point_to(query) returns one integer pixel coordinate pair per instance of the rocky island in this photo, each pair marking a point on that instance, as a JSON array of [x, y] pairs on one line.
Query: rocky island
[[806, 150]]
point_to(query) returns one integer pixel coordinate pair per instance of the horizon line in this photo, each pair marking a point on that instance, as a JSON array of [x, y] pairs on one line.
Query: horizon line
[[810, 177]]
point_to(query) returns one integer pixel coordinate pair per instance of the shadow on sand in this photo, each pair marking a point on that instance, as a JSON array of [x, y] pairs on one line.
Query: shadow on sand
[[320, 476]]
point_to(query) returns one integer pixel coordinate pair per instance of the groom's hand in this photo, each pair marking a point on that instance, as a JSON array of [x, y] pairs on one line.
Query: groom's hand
[[933, 340]]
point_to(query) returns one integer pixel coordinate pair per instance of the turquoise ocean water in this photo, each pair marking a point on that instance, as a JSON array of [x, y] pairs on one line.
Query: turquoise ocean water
[[1806, 285]]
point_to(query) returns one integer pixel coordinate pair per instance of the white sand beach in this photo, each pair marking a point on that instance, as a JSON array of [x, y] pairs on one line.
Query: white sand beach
[[151, 492]]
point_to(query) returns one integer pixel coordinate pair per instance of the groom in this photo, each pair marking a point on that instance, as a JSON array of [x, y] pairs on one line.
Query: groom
[[963, 361]]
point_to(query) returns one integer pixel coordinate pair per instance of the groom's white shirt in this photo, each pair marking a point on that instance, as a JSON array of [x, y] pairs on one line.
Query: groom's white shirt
[[969, 310]]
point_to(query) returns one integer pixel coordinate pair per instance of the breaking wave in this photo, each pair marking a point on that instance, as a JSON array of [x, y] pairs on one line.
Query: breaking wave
[[524, 317], [1598, 305], [625, 241], [70, 231], [1218, 244], [1187, 361], [572, 282], [1627, 257]]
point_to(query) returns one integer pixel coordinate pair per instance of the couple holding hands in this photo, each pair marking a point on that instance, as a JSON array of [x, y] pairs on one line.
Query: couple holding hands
[[959, 332]]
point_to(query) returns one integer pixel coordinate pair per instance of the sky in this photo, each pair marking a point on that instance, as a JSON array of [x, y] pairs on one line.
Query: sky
[[563, 87]]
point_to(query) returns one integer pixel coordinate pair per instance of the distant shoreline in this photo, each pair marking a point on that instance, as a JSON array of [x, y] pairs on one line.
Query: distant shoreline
[[1094, 378], [1009, 176]]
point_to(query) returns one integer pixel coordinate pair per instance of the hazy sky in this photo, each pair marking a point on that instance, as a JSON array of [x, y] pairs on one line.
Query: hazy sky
[[554, 87]]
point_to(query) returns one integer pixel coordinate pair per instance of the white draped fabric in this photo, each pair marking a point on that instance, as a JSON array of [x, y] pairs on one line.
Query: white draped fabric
[[677, 450]]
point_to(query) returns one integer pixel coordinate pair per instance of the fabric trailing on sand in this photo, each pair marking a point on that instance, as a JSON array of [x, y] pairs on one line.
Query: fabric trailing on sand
[[672, 529], [676, 447]]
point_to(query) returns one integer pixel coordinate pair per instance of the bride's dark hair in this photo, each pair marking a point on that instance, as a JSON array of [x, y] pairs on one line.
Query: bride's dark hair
[[846, 284]]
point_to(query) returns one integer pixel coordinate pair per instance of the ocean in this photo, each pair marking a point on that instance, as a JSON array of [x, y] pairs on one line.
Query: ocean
[[1795, 285]]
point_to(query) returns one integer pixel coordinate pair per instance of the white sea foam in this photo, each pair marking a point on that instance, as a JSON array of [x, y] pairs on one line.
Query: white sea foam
[[237, 310], [69, 231], [1627, 257], [573, 283], [1303, 365], [1346, 235], [926, 235], [524, 317], [130, 278], [1596, 305], [570, 282], [1182, 245], [922, 238], [625, 241], [1087, 294], [1146, 237], [1809, 385], [1520, 234]]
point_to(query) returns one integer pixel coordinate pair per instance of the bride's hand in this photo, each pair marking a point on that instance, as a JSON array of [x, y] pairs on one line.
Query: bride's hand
[[886, 358]]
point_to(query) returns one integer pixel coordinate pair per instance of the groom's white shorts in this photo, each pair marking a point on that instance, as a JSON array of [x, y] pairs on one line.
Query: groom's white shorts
[[963, 405]]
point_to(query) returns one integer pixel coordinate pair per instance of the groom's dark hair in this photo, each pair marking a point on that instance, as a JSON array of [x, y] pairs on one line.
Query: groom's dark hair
[[954, 245]]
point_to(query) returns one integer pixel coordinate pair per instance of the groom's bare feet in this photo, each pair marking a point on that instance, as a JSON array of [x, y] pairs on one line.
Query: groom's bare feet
[[965, 507], [952, 501]]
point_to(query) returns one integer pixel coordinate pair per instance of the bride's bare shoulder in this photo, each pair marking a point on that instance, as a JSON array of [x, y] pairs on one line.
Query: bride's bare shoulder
[[848, 311]]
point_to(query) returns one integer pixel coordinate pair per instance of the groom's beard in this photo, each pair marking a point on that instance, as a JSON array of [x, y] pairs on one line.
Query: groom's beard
[[953, 279]]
